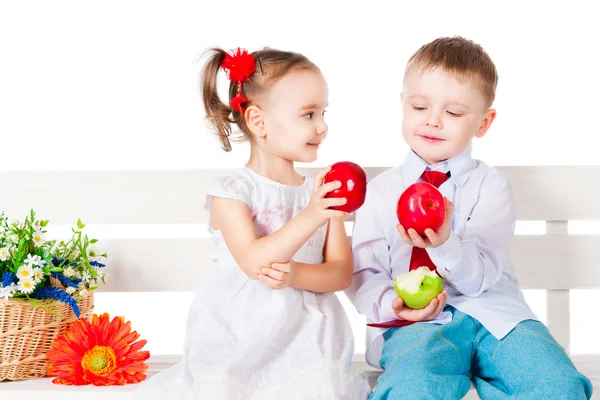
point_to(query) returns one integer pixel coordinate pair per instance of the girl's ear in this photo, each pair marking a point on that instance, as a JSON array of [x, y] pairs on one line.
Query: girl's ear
[[254, 117]]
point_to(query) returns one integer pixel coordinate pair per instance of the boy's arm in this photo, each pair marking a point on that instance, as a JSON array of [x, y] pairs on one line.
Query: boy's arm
[[474, 262], [372, 288]]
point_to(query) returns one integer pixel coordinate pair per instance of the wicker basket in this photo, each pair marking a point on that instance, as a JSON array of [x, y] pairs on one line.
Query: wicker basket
[[26, 333]]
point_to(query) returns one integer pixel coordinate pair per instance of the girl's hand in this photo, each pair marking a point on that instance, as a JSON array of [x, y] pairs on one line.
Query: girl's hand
[[426, 314], [278, 276], [318, 208]]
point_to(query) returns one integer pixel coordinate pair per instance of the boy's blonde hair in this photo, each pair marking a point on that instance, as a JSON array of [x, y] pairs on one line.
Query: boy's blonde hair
[[462, 57]]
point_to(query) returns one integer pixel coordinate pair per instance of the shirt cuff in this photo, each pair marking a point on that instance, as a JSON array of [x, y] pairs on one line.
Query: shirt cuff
[[447, 256], [386, 312]]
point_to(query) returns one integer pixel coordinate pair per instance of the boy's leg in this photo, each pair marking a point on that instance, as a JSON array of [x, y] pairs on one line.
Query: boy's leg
[[527, 363], [427, 361]]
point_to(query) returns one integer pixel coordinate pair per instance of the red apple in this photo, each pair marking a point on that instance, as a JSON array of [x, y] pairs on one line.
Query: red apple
[[421, 206], [354, 185]]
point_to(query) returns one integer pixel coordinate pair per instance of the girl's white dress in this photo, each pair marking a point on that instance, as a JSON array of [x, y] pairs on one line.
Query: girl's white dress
[[248, 342]]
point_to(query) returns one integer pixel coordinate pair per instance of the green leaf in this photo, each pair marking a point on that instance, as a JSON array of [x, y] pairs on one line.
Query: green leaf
[[93, 241], [80, 225]]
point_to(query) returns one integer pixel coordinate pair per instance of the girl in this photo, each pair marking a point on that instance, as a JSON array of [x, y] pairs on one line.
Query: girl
[[268, 326]]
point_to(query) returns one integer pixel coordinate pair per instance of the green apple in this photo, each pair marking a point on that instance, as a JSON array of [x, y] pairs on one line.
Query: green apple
[[418, 287]]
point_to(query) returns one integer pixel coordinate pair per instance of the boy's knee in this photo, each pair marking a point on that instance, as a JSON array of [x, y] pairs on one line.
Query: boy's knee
[[567, 384], [425, 386]]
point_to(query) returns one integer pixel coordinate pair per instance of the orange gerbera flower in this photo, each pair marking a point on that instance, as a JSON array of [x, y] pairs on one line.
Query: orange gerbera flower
[[100, 352]]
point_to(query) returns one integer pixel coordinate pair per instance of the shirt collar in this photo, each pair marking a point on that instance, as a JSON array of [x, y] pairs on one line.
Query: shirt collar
[[459, 166]]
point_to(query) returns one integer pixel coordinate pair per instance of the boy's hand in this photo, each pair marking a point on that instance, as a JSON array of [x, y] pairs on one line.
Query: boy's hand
[[426, 314], [278, 275], [433, 239]]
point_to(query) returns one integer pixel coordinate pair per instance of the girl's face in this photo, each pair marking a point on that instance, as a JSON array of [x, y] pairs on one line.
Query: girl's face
[[294, 114]]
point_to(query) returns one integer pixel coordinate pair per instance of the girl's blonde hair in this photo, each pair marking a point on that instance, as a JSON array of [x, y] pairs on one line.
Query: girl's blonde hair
[[271, 65]]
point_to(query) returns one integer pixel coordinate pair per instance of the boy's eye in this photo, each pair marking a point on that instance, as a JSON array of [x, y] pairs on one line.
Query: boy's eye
[[418, 108], [454, 114], [309, 115]]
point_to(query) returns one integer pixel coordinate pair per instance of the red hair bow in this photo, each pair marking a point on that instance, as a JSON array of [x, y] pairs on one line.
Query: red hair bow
[[238, 65]]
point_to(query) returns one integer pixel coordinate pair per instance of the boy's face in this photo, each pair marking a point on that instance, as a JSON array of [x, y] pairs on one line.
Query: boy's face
[[442, 115]]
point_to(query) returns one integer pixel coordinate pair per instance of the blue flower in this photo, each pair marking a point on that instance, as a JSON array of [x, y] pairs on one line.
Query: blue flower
[[97, 264], [66, 281], [57, 261], [8, 278], [58, 294]]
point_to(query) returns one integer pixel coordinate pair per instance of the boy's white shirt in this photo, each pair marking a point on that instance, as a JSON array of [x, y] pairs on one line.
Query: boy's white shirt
[[475, 261]]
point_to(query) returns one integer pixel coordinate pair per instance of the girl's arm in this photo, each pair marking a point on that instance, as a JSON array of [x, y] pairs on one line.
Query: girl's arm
[[335, 273], [233, 219]]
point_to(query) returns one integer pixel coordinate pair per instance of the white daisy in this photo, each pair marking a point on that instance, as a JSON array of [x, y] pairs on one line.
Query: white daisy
[[99, 271], [26, 286], [39, 262], [38, 275], [25, 272], [38, 239], [14, 238], [85, 276], [102, 274], [8, 291], [31, 260], [83, 293], [68, 272], [4, 254], [74, 254], [70, 290]]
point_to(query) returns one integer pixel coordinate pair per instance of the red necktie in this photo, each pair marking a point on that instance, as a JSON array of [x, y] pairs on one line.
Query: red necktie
[[419, 256]]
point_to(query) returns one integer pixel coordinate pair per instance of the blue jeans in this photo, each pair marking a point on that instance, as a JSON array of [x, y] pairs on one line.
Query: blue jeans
[[431, 361]]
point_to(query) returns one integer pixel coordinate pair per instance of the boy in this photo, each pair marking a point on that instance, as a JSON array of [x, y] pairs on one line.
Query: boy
[[480, 326]]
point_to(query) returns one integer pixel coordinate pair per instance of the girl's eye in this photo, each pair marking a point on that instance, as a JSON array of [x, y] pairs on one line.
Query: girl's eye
[[309, 115], [453, 114], [418, 108]]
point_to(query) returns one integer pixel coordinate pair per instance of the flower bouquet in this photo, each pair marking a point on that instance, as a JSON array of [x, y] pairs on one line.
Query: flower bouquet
[[45, 286]]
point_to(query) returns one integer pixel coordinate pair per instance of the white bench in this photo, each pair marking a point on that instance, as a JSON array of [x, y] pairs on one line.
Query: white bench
[[555, 261]]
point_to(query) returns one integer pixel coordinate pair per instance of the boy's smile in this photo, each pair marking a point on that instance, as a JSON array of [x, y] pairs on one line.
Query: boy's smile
[[442, 114]]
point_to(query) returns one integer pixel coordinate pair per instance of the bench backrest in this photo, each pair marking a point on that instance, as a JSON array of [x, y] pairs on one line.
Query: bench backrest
[[168, 205]]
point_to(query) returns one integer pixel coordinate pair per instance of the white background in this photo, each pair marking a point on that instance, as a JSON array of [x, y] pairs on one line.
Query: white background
[[114, 85]]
